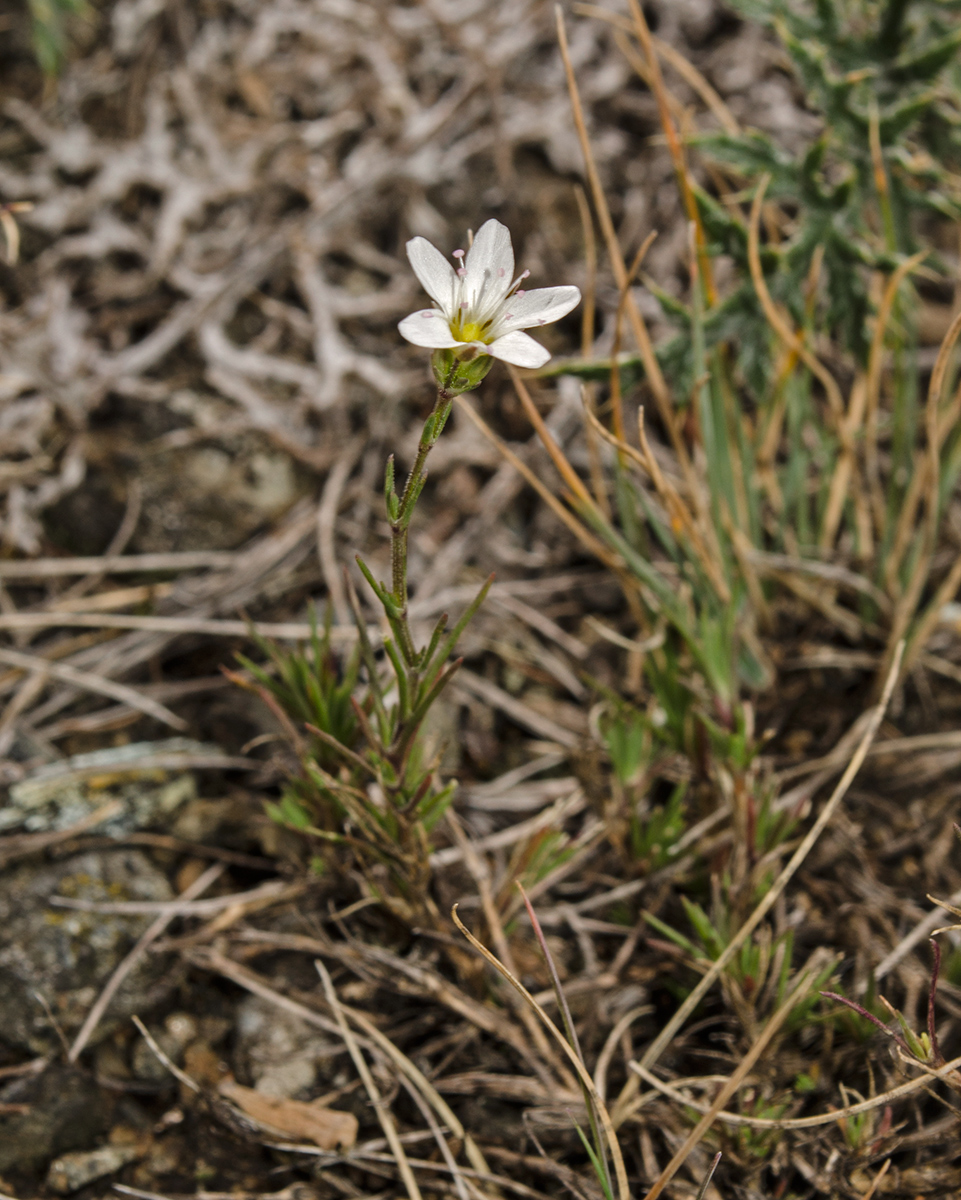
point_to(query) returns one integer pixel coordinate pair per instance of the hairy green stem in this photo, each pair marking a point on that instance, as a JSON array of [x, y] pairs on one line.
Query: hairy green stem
[[404, 510]]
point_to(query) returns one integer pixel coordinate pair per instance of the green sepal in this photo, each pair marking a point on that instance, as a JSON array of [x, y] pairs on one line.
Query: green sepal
[[459, 371]]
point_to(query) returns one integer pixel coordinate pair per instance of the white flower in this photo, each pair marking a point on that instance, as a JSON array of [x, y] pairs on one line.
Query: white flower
[[479, 304]]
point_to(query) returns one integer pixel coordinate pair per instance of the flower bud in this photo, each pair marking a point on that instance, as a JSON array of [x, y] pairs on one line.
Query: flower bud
[[458, 371]]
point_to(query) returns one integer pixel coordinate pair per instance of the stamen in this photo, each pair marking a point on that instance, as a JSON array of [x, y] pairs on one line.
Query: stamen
[[517, 282], [501, 272], [458, 254], [462, 271], [520, 292]]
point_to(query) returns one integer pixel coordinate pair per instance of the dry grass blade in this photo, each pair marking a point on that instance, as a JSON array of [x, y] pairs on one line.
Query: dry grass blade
[[185, 905], [481, 876], [616, 400], [285, 630], [90, 682], [793, 341], [663, 1039], [326, 524], [611, 1043], [582, 1073], [652, 368], [19, 845], [587, 539], [926, 482], [932, 616], [118, 564], [551, 817], [420, 1081], [163, 1058], [383, 1113], [517, 710], [921, 932], [815, 1122], [558, 458], [459, 1182], [678, 510]]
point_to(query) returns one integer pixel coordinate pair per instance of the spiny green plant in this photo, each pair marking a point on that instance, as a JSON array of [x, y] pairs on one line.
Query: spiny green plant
[[788, 477]]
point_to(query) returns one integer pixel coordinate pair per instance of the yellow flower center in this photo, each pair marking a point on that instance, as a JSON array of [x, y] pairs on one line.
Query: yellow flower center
[[473, 331]]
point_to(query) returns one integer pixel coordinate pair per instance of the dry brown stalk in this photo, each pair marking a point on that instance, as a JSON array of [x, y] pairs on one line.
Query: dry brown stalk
[[326, 524], [588, 314], [652, 368], [117, 564], [616, 401], [273, 889], [284, 630], [19, 845], [684, 67], [481, 876], [643, 35], [380, 1107], [587, 539], [776, 319], [558, 458], [582, 1072], [680, 514]]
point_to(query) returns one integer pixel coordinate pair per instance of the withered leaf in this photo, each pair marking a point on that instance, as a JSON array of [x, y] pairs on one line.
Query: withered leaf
[[298, 1119]]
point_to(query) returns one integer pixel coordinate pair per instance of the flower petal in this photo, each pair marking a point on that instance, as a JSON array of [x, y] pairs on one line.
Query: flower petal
[[433, 270], [428, 328], [519, 349], [539, 307], [490, 267]]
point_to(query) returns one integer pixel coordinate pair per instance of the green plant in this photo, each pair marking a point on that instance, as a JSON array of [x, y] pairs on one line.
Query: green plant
[[366, 786], [759, 977], [922, 1047]]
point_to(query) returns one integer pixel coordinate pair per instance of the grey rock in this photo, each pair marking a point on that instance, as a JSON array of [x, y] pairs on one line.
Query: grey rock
[[278, 1051], [142, 778], [66, 956], [65, 1111], [71, 1172]]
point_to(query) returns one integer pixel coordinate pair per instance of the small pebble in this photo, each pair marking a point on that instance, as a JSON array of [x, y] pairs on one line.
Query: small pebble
[[70, 1172]]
